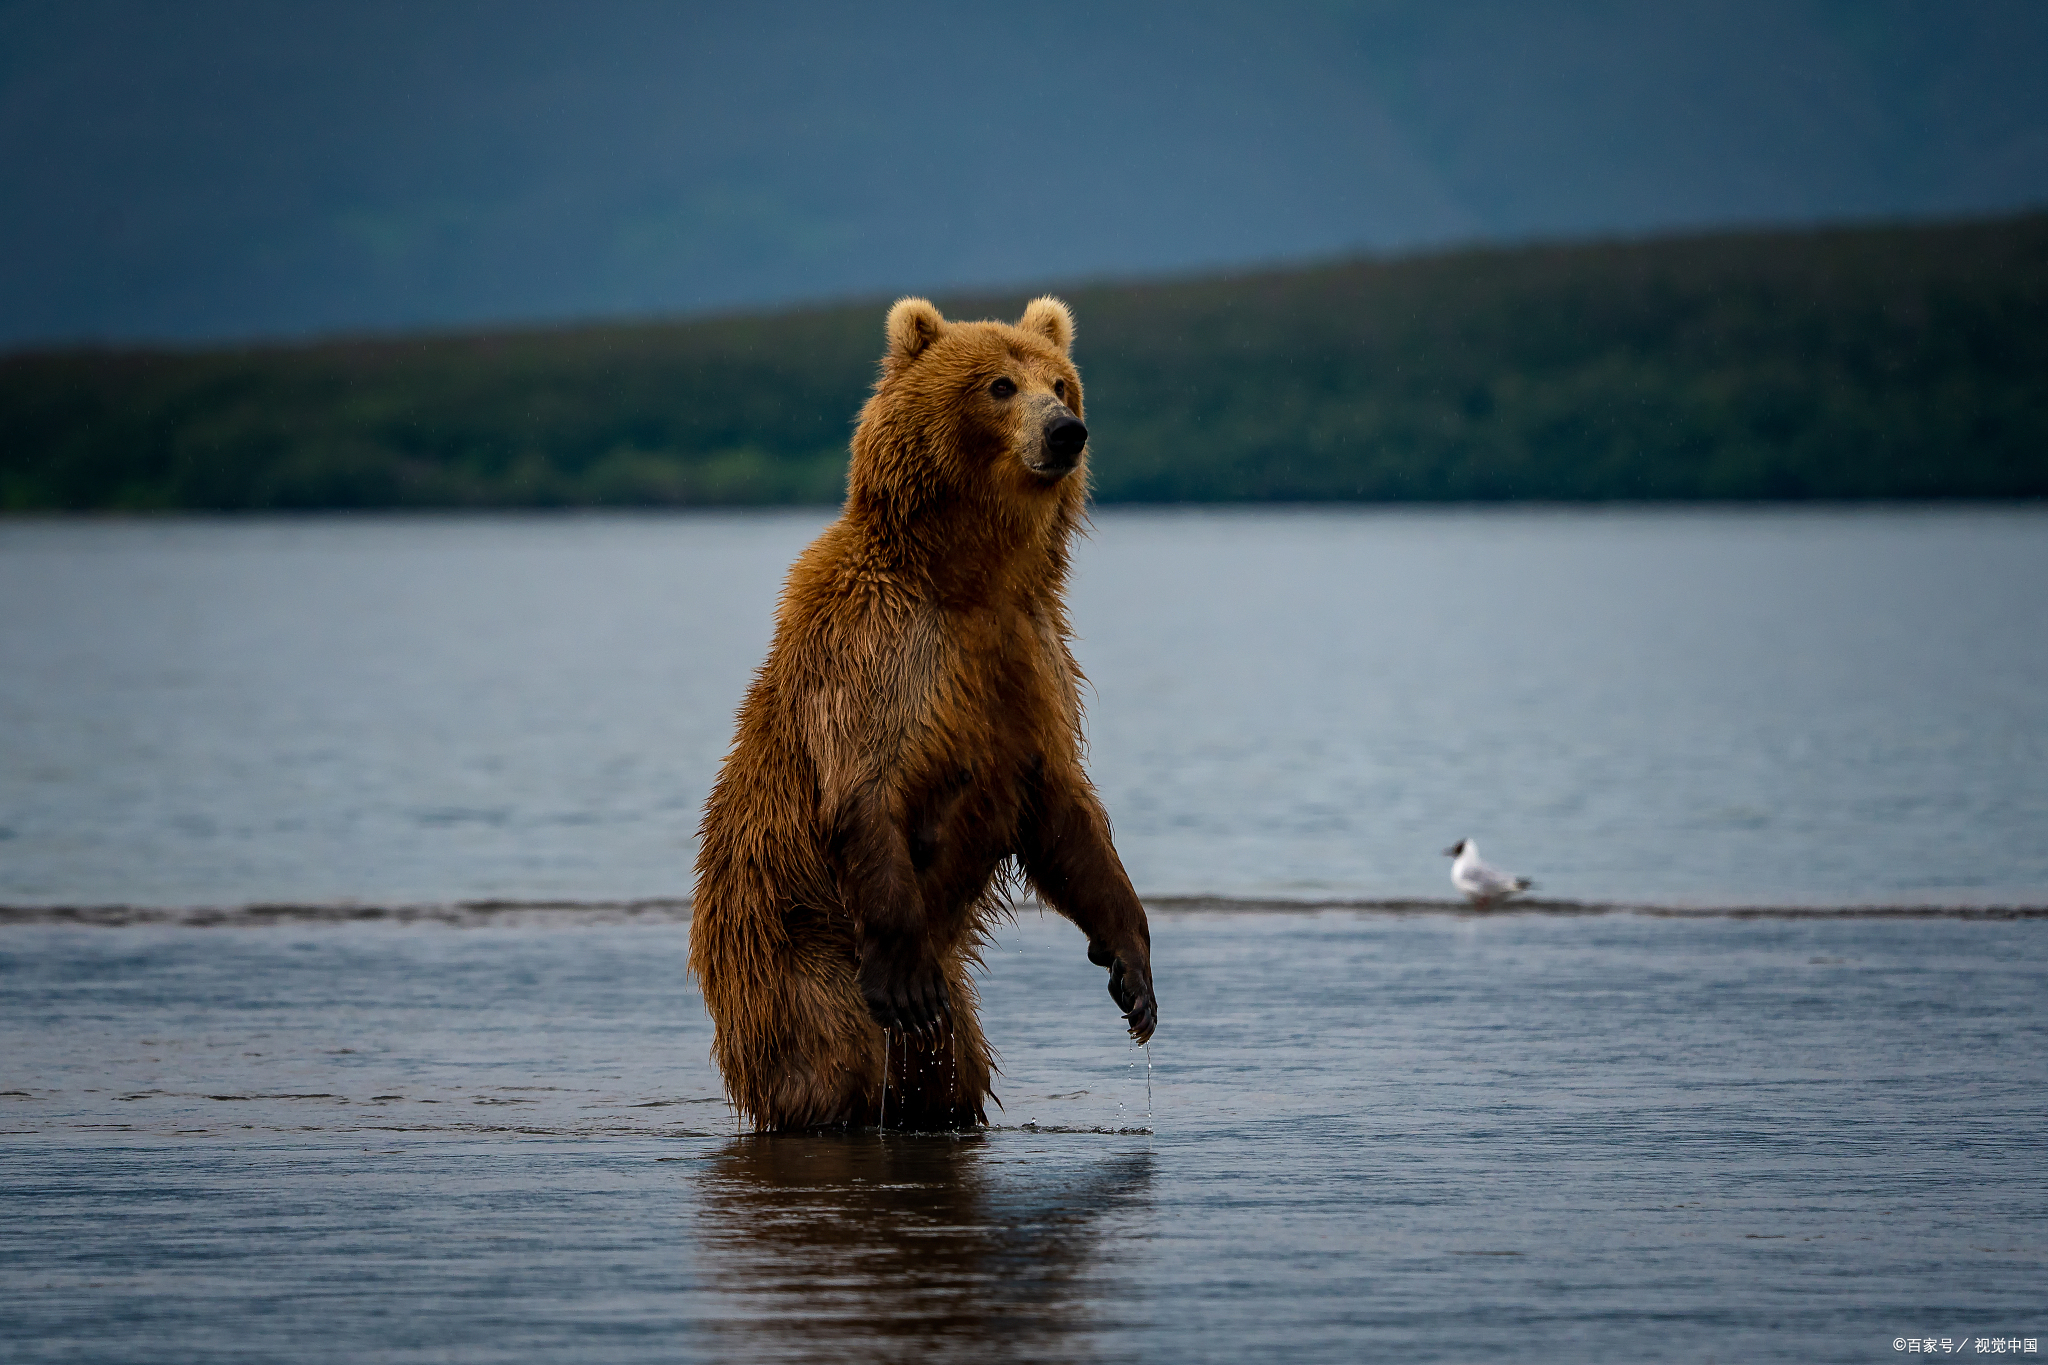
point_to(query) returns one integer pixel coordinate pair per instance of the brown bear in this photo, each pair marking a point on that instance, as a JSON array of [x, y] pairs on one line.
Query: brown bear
[[912, 744]]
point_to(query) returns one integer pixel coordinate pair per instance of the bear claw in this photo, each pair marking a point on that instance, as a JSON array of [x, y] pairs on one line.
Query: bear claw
[[1131, 988], [915, 1008]]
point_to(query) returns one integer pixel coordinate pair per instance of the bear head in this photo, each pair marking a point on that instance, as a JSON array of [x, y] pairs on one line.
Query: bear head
[[973, 413]]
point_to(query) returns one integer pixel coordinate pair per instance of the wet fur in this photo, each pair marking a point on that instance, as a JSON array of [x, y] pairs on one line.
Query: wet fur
[[913, 738]]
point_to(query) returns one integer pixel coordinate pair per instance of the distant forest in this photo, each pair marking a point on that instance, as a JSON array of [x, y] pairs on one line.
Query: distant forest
[[1867, 362]]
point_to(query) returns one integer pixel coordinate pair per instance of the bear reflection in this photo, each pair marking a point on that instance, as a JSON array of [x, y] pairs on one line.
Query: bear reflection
[[855, 1247]]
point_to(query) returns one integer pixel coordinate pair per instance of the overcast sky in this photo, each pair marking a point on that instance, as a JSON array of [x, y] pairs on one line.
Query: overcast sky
[[218, 170]]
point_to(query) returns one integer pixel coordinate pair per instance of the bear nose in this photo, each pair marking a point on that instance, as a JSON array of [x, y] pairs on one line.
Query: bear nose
[[1064, 437]]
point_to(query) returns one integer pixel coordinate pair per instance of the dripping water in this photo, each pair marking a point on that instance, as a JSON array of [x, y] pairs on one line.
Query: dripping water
[[1131, 1068]]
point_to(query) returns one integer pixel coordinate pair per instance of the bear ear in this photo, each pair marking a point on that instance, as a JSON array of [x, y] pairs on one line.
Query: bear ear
[[1051, 319], [913, 325]]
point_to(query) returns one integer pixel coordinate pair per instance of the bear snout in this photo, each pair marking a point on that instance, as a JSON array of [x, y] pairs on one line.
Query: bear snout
[[1064, 437]]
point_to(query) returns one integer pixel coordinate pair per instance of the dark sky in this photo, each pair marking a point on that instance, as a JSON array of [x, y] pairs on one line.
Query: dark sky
[[205, 170]]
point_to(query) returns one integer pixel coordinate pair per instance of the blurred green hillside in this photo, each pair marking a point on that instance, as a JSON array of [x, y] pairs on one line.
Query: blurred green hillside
[[1879, 362]]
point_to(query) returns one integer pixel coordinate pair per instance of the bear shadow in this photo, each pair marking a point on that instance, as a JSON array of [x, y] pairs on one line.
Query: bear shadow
[[857, 1247]]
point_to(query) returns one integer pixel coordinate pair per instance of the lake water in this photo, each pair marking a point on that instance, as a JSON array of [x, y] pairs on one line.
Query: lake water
[[1430, 1137], [1685, 707], [362, 1122]]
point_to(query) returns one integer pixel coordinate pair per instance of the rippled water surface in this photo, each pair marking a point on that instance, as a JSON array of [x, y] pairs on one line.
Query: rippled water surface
[[363, 1123], [1667, 706], [1428, 1137]]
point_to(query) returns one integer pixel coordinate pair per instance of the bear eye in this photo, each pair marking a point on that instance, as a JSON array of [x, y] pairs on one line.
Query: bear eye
[[1059, 388], [1002, 388]]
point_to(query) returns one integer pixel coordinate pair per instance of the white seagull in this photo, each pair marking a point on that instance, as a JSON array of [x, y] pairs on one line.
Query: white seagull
[[1481, 882]]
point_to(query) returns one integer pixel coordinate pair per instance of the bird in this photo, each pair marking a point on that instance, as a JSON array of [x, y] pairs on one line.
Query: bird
[[1481, 882]]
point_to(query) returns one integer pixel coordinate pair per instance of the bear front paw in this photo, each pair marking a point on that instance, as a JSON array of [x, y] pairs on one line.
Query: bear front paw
[[910, 997], [1130, 985]]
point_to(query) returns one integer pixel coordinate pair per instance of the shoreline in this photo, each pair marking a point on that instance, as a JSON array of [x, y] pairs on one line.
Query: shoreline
[[660, 910]]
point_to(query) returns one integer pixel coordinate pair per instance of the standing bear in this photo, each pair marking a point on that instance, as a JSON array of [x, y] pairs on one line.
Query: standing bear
[[913, 741]]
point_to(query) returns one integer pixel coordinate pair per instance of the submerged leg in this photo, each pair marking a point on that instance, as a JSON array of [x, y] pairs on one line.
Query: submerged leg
[[817, 1059], [939, 1078]]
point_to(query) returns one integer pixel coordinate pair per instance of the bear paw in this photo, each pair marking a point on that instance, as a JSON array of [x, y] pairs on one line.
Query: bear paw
[[907, 996], [1130, 985]]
